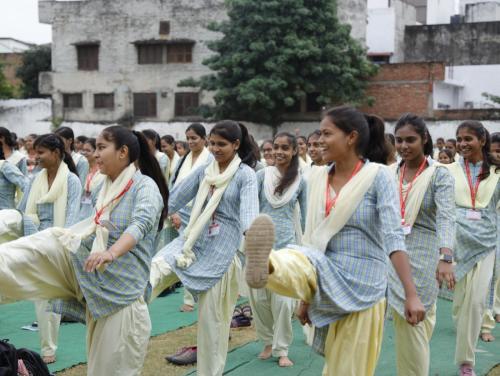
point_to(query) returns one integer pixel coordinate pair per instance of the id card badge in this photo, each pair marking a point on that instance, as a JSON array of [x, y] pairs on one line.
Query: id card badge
[[473, 215], [407, 229], [87, 199], [213, 229], [110, 226]]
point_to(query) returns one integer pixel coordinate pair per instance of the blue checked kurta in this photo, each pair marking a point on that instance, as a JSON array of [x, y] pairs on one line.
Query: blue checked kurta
[[164, 163], [82, 168], [475, 239], [46, 211], [22, 165], [10, 179], [237, 209], [283, 217], [352, 273], [127, 278], [434, 228]]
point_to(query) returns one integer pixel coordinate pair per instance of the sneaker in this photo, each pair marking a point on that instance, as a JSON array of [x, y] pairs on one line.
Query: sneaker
[[466, 370], [184, 357], [259, 240]]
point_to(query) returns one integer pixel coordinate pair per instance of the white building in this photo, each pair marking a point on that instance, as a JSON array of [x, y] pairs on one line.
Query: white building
[[13, 46], [122, 60]]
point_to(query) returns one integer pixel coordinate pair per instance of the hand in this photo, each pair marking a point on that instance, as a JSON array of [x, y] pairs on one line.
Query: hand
[[414, 310], [98, 259], [302, 314], [444, 273], [176, 221]]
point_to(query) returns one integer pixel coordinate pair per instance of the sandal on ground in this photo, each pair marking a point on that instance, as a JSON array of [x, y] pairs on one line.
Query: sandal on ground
[[240, 322]]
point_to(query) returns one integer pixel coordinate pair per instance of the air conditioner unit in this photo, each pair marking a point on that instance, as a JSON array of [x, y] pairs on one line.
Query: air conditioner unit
[[443, 106]]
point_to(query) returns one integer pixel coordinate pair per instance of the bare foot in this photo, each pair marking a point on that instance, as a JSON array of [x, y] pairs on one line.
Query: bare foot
[[487, 337], [49, 359], [187, 308], [497, 318], [266, 353], [284, 361]]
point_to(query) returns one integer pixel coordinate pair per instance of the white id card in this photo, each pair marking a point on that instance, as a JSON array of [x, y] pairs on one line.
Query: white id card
[[473, 215], [213, 229], [87, 199], [406, 229]]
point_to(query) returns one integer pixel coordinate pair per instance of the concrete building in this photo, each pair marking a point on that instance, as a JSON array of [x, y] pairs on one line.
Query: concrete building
[[11, 58], [122, 60]]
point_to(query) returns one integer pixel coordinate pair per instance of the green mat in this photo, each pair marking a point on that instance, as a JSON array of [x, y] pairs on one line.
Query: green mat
[[164, 312], [242, 361]]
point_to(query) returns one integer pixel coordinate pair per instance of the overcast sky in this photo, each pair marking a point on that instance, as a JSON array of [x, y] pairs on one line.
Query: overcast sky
[[19, 20]]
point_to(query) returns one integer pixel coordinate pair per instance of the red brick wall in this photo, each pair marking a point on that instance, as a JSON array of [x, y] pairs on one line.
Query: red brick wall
[[405, 87], [10, 63]]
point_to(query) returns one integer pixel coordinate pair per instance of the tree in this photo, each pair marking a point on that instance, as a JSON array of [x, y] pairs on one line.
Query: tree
[[274, 53], [492, 97], [35, 60], [6, 90]]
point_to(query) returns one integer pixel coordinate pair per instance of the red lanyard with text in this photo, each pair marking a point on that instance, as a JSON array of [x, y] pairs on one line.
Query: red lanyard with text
[[120, 195], [473, 189], [330, 202], [402, 200]]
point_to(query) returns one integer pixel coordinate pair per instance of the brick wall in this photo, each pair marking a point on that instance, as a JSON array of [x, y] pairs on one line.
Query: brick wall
[[10, 63], [405, 87]]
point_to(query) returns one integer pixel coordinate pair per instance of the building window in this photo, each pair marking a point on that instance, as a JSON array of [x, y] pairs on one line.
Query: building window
[[72, 100], [104, 101], [186, 104], [164, 27], [312, 104], [150, 53], [380, 59], [180, 53], [145, 105], [88, 57]]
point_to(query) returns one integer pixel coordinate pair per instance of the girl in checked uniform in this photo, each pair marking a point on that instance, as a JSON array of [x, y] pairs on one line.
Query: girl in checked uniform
[[100, 267], [205, 256], [281, 189], [11, 179], [82, 166], [92, 182], [477, 195], [352, 225], [426, 199], [155, 145], [10, 153]]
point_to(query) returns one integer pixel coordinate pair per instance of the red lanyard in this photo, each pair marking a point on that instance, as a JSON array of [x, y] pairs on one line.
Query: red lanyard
[[90, 176], [120, 195], [402, 200], [330, 202], [475, 189]]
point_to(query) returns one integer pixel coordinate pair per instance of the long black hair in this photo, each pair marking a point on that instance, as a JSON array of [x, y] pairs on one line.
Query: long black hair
[[293, 169], [482, 134], [152, 135], [168, 139], [54, 142], [233, 131], [138, 150], [200, 130], [7, 136], [91, 141], [419, 126], [371, 131], [68, 134]]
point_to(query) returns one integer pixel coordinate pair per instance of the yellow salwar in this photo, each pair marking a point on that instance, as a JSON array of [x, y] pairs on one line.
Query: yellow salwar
[[48, 326], [469, 306], [353, 343], [34, 267], [489, 317], [412, 344]]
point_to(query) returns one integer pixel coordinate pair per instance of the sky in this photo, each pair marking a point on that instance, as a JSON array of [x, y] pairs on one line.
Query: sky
[[19, 20]]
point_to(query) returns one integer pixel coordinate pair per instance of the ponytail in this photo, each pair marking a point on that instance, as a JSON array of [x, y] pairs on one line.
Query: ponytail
[[8, 137], [138, 150], [376, 150], [482, 134], [233, 131], [293, 169], [68, 134], [54, 142]]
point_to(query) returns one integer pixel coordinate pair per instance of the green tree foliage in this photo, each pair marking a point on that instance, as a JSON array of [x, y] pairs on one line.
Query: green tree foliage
[[273, 53], [35, 60], [6, 90], [491, 97]]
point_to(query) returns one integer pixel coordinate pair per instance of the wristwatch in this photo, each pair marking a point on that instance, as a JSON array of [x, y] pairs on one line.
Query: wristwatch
[[446, 258]]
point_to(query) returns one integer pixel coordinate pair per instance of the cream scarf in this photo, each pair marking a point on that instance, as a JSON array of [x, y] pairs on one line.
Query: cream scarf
[[57, 194], [188, 166], [16, 157], [159, 155], [272, 178], [173, 163], [417, 193], [319, 230], [462, 190], [200, 218], [106, 200], [95, 181]]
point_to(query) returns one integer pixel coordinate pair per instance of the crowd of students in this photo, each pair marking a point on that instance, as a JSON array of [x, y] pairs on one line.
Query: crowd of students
[[343, 227]]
